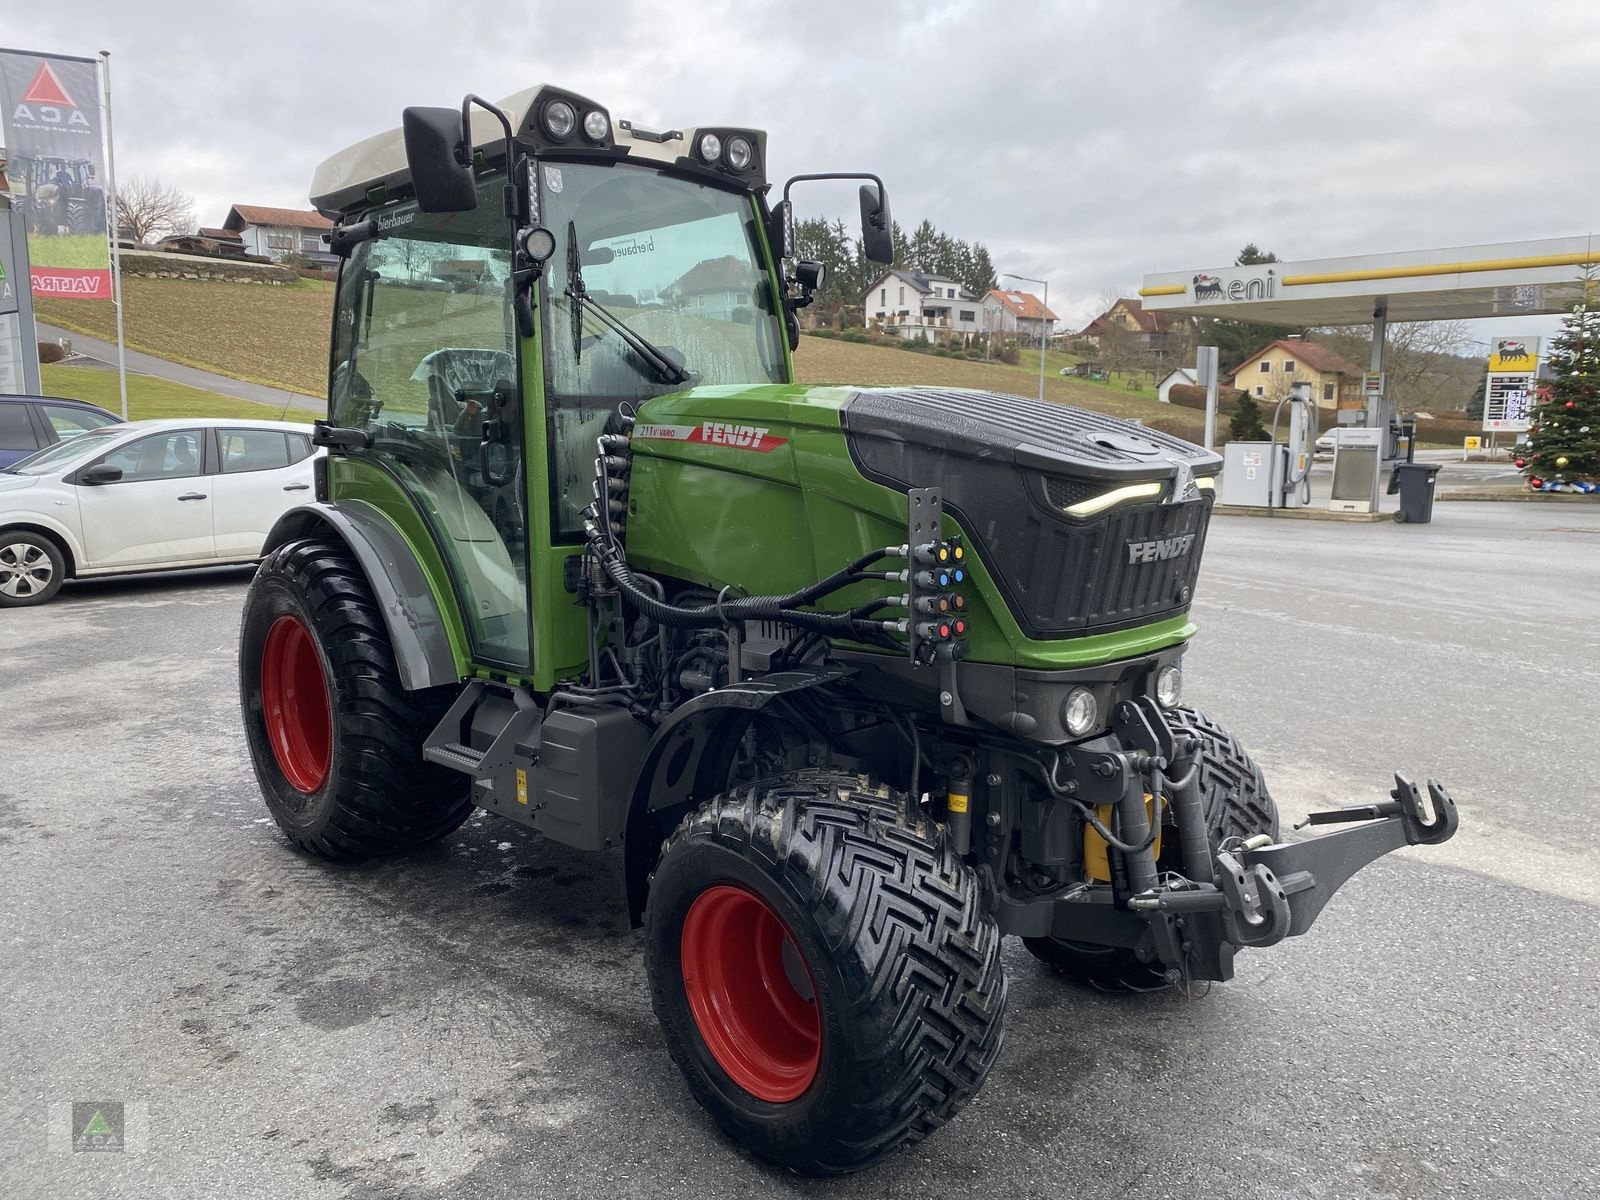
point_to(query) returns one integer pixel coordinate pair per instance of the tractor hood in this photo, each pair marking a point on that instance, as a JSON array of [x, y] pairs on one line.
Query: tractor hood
[[1028, 435], [1087, 523]]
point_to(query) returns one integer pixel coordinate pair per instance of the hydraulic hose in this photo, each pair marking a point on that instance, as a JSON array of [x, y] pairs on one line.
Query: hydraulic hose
[[744, 608]]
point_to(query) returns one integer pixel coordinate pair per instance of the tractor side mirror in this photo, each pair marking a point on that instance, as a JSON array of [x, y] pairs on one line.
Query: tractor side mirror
[[99, 473], [877, 230], [439, 157]]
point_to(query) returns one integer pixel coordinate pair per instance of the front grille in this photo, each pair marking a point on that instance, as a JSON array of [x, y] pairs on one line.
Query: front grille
[[1066, 577]]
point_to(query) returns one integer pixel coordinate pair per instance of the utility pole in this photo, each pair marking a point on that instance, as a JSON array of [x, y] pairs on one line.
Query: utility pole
[[1043, 329]]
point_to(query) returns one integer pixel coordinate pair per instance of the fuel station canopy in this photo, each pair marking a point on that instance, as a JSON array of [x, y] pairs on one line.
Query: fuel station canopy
[[1507, 279]]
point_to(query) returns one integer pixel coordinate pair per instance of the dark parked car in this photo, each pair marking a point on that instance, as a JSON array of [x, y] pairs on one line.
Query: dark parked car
[[30, 423]]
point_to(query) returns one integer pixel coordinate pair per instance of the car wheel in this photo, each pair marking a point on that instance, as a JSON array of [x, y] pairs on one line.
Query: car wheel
[[32, 568]]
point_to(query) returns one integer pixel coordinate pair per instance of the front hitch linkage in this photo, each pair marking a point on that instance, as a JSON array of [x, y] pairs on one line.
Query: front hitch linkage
[[1266, 892]]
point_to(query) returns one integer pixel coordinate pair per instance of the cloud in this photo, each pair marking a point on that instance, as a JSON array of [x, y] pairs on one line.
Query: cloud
[[1087, 143]]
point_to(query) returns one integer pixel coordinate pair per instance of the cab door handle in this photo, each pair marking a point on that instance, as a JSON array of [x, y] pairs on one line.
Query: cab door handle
[[297, 487], [192, 496]]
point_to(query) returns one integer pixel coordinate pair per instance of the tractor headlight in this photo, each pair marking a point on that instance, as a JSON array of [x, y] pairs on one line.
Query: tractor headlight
[[596, 125], [1169, 685], [560, 119], [740, 152], [709, 147], [1079, 712], [538, 243]]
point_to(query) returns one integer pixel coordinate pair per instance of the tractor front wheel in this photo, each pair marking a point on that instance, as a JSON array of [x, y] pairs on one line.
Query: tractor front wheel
[[1237, 804], [823, 970], [336, 740]]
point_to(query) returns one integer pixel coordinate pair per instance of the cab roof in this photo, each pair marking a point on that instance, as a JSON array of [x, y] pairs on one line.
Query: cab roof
[[350, 178]]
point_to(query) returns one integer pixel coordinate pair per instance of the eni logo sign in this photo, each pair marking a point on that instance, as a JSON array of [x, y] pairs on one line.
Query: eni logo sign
[[1214, 287]]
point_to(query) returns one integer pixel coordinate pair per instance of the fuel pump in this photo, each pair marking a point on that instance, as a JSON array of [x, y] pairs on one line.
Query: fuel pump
[[1274, 474], [1289, 468]]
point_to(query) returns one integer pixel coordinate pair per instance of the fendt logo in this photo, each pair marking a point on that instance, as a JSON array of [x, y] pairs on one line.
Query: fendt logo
[[1161, 548], [713, 433], [745, 437]]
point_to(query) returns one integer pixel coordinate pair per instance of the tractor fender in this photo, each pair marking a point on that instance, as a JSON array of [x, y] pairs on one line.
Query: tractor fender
[[686, 763], [410, 610]]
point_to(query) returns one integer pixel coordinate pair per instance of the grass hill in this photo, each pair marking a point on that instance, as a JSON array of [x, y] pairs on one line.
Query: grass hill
[[272, 335], [279, 336]]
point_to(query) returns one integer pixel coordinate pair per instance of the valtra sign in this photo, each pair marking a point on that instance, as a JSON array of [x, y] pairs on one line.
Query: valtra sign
[[50, 105]]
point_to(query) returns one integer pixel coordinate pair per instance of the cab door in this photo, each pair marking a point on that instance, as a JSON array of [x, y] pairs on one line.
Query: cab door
[[426, 361], [158, 512]]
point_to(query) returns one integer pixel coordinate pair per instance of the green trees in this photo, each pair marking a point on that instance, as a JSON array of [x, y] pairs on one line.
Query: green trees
[[926, 248], [1245, 425], [1564, 442]]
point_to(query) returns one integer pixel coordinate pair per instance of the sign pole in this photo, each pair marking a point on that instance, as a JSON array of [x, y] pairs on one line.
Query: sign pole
[[1205, 365], [19, 339], [116, 233]]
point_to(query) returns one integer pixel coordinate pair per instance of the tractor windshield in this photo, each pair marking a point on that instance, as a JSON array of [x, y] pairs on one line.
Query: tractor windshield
[[678, 265]]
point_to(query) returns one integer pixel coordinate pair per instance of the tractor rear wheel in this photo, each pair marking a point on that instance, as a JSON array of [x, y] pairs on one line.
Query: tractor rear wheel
[[336, 740], [1237, 804], [824, 970]]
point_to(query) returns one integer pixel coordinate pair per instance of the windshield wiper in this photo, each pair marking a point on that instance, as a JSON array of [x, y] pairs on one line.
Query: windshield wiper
[[578, 295]]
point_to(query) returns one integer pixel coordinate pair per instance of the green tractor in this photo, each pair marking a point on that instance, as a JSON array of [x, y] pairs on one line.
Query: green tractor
[[858, 681]]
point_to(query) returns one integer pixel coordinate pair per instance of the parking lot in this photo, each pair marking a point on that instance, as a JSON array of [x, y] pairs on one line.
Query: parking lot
[[472, 1021]]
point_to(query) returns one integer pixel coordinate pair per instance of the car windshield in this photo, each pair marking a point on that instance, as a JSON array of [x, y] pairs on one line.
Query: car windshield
[[63, 455]]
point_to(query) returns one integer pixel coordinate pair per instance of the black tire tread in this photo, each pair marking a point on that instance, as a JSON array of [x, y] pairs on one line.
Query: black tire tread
[[386, 798], [891, 896]]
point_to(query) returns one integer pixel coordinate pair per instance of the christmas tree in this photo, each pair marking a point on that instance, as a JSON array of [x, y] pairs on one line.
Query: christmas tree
[[1564, 442]]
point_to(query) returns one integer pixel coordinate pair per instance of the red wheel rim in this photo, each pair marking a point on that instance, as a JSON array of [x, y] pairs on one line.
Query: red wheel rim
[[743, 976], [294, 702]]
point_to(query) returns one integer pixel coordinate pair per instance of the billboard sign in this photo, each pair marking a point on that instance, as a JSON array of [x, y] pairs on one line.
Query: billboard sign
[[50, 115]]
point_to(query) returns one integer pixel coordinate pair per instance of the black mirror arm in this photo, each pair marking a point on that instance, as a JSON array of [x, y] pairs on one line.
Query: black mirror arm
[[882, 192], [516, 200]]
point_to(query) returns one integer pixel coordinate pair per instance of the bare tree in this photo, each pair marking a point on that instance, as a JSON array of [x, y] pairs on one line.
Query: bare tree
[[146, 207], [1424, 361]]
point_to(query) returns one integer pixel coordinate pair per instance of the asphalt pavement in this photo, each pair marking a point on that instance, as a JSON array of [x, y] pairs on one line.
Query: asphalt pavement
[[472, 1021], [105, 353]]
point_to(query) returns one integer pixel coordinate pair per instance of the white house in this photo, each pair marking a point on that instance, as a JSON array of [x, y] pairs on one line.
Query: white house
[[1185, 376], [914, 304], [278, 233], [1016, 314]]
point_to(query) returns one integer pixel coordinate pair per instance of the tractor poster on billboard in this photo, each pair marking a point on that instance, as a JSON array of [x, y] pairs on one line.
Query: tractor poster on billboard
[[56, 162]]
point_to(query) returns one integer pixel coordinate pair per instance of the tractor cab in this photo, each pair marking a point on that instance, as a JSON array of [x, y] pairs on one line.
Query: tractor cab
[[517, 279]]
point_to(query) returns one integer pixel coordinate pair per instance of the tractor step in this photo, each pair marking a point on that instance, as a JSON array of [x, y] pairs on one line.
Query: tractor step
[[488, 715], [456, 756]]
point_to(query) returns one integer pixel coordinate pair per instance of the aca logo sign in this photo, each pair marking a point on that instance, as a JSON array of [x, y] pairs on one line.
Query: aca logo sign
[[46, 101]]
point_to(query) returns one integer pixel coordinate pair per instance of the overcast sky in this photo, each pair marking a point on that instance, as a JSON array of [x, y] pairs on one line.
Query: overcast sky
[[1085, 143]]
